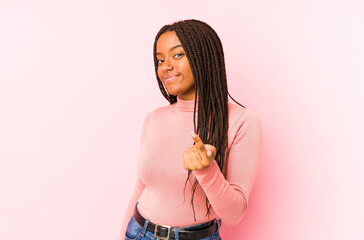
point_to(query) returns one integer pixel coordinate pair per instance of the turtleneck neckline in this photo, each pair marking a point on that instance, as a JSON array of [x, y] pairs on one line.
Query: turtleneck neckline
[[185, 105]]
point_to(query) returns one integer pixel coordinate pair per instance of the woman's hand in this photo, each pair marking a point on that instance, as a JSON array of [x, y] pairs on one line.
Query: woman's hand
[[199, 155]]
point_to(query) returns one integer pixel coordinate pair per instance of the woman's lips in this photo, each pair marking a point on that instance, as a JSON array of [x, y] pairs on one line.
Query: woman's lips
[[170, 79]]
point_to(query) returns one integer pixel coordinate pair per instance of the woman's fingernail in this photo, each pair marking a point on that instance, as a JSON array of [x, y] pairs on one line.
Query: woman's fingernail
[[209, 153]]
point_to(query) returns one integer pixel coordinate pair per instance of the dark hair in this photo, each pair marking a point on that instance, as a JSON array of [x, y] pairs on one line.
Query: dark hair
[[206, 58]]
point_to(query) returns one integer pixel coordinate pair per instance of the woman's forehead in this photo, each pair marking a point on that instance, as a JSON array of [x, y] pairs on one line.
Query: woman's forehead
[[167, 42]]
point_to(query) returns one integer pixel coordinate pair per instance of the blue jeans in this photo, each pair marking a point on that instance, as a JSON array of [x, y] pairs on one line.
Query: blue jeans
[[134, 231]]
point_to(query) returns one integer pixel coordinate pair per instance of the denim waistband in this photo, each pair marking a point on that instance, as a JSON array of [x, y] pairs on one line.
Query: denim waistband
[[194, 227]]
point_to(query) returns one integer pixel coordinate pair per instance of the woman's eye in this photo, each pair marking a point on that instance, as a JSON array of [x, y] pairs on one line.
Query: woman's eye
[[178, 55]]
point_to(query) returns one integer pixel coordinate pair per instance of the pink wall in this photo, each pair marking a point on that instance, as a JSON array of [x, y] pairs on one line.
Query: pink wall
[[77, 80]]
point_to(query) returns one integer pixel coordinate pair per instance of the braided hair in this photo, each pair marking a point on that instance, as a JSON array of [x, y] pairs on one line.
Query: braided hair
[[206, 58]]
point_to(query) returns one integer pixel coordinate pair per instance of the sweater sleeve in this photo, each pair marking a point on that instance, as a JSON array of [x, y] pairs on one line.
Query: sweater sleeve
[[139, 185], [229, 197]]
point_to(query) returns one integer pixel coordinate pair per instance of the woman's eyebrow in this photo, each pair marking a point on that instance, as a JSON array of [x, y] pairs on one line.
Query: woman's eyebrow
[[170, 49]]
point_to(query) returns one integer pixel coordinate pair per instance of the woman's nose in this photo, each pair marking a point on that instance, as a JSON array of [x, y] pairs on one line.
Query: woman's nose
[[167, 66]]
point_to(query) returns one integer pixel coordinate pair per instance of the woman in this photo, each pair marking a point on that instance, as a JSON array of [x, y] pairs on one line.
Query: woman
[[200, 154]]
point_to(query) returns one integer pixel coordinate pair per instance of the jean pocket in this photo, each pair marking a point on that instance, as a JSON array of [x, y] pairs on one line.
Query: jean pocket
[[133, 230], [217, 237]]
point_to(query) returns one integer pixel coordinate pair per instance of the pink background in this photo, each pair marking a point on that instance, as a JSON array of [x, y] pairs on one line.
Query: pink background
[[77, 79]]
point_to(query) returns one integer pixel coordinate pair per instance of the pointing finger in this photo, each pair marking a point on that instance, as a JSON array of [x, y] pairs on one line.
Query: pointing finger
[[198, 142]]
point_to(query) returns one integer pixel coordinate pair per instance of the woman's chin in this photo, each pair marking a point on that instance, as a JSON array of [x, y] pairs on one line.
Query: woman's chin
[[173, 92]]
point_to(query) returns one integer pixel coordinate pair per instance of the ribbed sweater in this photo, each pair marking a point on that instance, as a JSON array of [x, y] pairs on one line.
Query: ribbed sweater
[[161, 177]]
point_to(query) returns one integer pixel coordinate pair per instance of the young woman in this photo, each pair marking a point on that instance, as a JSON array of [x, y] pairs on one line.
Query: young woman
[[200, 154]]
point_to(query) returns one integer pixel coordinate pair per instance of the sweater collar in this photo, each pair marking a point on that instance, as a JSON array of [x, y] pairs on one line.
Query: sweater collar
[[185, 105]]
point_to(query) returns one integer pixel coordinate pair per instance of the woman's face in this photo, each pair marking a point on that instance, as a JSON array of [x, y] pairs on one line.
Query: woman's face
[[173, 67]]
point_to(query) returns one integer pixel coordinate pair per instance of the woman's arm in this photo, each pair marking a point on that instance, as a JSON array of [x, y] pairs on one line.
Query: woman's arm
[[139, 186], [229, 197]]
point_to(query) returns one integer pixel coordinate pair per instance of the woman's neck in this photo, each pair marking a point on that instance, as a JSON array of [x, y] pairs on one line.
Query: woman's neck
[[186, 105]]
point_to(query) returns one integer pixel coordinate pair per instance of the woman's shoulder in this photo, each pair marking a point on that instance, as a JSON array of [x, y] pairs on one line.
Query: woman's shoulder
[[244, 123], [241, 114], [158, 112]]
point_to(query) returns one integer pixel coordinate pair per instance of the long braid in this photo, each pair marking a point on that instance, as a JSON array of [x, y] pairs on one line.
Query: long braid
[[221, 106], [206, 58]]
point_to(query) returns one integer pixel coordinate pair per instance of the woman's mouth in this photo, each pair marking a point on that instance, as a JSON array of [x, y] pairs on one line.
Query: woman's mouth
[[170, 79]]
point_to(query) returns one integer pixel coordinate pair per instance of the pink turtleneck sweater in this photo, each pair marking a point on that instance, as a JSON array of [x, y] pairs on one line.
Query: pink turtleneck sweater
[[161, 176]]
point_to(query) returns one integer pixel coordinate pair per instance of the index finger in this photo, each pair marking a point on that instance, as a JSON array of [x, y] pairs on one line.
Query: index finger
[[198, 142]]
